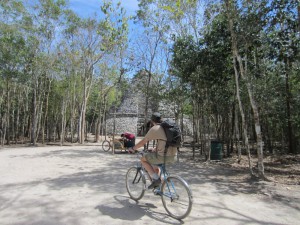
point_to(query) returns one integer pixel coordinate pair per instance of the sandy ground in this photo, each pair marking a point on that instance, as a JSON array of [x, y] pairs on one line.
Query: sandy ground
[[82, 185]]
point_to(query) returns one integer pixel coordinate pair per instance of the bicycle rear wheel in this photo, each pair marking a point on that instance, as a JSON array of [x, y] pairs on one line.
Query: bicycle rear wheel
[[106, 145], [135, 183], [176, 197]]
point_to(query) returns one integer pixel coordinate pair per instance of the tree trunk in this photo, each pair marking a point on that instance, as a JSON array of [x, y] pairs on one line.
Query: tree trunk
[[237, 135], [233, 116], [259, 141], [80, 125], [237, 86], [33, 119], [63, 116], [86, 89], [72, 119], [147, 98], [194, 132], [291, 148], [39, 110], [46, 112], [243, 74], [245, 133], [7, 112], [99, 119]]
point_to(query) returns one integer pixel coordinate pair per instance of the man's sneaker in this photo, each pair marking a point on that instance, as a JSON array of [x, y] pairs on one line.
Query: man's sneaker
[[154, 183], [157, 191]]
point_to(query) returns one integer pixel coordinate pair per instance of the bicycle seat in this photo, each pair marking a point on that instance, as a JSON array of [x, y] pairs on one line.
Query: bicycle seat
[[160, 164]]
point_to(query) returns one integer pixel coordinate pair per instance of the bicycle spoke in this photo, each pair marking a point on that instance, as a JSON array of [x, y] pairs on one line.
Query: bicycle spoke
[[176, 197], [135, 183], [175, 193]]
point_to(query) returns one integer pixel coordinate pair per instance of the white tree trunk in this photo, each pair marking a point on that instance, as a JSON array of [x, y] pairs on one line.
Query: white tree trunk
[[243, 72]]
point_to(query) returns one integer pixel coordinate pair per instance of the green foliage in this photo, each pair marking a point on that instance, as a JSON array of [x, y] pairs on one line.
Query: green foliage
[[114, 27], [12, 55], [85, 58], [186, 57], [193, 61]]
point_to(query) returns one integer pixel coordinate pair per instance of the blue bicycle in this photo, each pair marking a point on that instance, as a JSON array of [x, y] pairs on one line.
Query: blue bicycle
[[175, 193]]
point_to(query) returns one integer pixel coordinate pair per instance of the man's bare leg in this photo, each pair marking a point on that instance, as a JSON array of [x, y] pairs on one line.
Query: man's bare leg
[[147, 166], [155, 177]]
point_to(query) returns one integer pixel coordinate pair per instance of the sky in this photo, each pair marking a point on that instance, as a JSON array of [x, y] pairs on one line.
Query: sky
[[87, 8]]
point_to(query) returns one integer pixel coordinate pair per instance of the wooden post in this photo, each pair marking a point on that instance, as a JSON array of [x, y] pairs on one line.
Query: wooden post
[[114, 130]]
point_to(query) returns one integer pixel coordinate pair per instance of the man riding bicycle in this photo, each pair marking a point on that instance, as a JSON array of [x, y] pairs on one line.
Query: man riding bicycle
[[158, 155]]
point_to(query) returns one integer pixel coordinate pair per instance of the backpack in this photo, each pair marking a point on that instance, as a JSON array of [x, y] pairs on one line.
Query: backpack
[[173, 133]]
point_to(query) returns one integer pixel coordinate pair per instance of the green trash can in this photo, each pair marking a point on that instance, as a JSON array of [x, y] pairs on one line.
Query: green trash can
[[216, 150]]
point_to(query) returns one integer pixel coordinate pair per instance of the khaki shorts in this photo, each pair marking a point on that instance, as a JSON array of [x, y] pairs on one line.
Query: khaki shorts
[[154, 158]]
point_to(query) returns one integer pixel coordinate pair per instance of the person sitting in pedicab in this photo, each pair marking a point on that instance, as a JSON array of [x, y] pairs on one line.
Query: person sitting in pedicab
[[129, 139]]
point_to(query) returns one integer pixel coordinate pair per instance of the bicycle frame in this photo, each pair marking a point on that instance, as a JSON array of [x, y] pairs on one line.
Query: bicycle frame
[[139, 169], [174, 191], [164, 176]]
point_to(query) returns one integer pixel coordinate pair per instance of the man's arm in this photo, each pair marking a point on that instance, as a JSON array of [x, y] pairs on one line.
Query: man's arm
[[140, 144]]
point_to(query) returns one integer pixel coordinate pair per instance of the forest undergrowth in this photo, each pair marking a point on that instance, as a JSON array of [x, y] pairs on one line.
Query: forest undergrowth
[[282, 169]]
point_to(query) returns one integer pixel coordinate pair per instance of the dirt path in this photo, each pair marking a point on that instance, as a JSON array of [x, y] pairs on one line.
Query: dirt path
[[81, 185]]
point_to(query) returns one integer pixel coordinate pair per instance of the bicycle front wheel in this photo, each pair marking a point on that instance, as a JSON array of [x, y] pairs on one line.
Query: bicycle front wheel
[[176, 197], [106, 145], [135, 183]]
